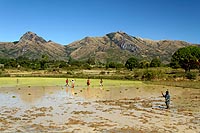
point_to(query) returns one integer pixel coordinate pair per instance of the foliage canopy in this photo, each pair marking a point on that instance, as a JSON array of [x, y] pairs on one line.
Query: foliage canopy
[[186, 58], [155, 62], [132, 63]]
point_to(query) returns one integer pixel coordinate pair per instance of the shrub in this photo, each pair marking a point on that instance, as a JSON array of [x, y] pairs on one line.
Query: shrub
[[70, 73], [148, 75], [190, 75], [87, 66], [155, 62], [102, 73], [136, 75], [129, 77]]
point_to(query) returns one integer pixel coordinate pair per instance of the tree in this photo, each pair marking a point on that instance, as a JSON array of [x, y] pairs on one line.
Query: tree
[[91, 61], [131, 63], [43, 61], [144, 64], [155, 62], [187, 58]]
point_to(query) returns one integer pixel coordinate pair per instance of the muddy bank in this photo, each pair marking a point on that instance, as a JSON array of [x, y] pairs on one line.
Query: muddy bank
[[107, 109]]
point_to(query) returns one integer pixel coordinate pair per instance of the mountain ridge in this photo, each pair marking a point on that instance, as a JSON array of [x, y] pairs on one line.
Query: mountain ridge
[[112, 47], [119, 46], [32, 46]]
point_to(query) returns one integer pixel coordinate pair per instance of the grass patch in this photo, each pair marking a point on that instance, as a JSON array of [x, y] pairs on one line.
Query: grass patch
[[29, 81], [39, 81]]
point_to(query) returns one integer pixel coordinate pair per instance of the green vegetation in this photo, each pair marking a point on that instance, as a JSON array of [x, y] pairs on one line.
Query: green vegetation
[[17, 81], [155, 62], [133, 69], [132, 63], [191, 75], [38, 81], [187, 58], [80, 82]]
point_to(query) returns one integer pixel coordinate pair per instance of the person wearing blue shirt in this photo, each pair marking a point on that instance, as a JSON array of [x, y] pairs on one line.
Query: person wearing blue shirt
[[167, 98]]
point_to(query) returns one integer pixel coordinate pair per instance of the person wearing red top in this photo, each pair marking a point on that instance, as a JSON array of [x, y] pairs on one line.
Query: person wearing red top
[[67, 82], [88, 82]]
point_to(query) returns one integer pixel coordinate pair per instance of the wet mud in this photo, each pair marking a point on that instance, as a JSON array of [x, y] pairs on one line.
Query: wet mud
[[109, 109]]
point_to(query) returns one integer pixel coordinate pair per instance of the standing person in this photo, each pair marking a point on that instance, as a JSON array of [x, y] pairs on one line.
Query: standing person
[[17, 81], [167, 98], [88, 82], [73, 82], [101, 82], [67, 82]]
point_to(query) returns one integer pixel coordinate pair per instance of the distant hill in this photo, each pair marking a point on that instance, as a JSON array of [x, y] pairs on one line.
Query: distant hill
[[33, 47], [115, 47], [119, 46]]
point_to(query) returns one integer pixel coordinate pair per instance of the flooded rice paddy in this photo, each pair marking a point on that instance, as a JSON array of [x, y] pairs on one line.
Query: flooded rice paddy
[[121, 108]]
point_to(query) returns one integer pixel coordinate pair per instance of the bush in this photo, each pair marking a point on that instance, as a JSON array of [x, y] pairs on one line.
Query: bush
[[148, 75], [87, 66], [129, 77], [70, 73], [137, 75], [190, 75], [102, 73]]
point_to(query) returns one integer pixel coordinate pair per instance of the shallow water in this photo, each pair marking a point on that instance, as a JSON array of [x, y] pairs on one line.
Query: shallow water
[[99, 109]]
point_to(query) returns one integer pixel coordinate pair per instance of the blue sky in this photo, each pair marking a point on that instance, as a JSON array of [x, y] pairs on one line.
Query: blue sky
[[65, 21]]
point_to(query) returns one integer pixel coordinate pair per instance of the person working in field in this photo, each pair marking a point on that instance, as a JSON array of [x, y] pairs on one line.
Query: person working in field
[[67, 82], [167, 98], [101, 82], [73, 82], [88, 82]]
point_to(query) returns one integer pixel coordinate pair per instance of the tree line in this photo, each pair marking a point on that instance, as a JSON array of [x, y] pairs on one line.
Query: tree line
[[187, 58]]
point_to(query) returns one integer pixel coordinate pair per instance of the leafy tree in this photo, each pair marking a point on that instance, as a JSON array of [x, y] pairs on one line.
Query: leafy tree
[[155, 62], [174, 65], [144, 64], [62, 64], [131, 63], [119, 65], [114, 65], [187, 58], [11, 63], [111, 65], [91, 60], [43, 62]]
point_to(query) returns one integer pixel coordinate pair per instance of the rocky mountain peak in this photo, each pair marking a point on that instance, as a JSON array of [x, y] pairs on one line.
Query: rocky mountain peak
[[119, 35], [32, 37], [124, 41]]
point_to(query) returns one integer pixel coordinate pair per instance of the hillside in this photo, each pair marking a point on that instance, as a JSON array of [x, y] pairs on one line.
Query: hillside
[[32, 46], [115, 47], [119, 46]]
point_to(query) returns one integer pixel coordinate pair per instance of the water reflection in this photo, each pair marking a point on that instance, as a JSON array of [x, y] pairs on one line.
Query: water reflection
[[27, 95], [82, 106], [70, 91], [31, 95], [87, 94], [181, 98]]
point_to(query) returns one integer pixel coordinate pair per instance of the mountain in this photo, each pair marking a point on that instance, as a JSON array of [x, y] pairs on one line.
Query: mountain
[[113, 47], [119, 46], [32, 46]]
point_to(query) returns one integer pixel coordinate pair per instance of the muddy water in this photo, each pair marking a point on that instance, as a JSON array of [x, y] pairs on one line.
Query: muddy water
[[96, 109]]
